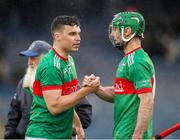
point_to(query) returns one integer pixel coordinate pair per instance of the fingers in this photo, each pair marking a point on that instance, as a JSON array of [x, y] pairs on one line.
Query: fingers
[[80, 135], [96, 81], [91, 80], [86, 81], [92, 76]]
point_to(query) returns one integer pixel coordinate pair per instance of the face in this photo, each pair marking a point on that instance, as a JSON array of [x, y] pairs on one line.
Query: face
[[116, 36], [69, 38], [34, 61]]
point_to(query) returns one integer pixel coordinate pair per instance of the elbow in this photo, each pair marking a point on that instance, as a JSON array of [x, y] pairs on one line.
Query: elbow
[[111, 100], [54, 110]]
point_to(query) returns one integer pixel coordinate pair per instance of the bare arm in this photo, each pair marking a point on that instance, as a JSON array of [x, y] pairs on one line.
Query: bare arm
[[144, 114], [77, 126], [106, 93], [84, 111], [57, 103]]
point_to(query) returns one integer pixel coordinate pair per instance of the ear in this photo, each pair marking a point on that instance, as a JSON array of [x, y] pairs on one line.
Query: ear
[[56, 35], [128, 31]]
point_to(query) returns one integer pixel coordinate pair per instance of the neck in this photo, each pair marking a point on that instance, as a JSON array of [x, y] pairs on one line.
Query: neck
[[133, 44], [60, 50]]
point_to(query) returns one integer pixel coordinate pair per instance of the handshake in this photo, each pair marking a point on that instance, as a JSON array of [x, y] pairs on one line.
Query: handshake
[[92, 82]]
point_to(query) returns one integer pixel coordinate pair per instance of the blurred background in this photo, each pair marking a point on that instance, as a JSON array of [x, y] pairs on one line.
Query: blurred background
[[23, 21]]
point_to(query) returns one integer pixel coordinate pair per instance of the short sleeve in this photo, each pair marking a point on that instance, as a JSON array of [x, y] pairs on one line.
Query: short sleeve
[[140, 75], [51, 76]]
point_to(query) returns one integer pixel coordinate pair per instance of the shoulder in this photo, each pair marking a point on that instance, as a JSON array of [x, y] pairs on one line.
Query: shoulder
[[46, 62], [140, 57], [20, 91], [19, 85], [70, 58], [139, 60], [20, 82], [47, 59]]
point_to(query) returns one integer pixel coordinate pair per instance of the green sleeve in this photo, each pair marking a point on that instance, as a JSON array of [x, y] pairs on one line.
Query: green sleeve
[[140, 75], [51, 76], [73, 66]]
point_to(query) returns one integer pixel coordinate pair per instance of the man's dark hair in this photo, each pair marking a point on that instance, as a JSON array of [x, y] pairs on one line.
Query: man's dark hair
[[60, 21]]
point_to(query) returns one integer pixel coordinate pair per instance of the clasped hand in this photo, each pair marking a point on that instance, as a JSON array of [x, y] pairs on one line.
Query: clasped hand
[[92, 81]]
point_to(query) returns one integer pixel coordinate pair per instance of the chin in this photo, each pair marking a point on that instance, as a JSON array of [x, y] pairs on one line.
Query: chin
[[76, 49], [73, 50]]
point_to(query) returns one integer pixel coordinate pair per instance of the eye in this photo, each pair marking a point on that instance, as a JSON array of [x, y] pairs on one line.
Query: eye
[[72, 33]]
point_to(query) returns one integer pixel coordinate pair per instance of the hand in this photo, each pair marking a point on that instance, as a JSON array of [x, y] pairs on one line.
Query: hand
[[153, 138], [91, 80], [79, 133], [136, 137], [87, 80]]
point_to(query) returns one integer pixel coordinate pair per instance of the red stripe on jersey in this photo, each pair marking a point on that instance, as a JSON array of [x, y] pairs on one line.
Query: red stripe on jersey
[[144, 90], [152, 81], [69, 87], [123, 86], [51, 88], [37, 88]]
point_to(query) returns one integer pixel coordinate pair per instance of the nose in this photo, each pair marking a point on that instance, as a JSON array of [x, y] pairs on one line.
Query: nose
[[78, 37], [30, 61], [111, 34]]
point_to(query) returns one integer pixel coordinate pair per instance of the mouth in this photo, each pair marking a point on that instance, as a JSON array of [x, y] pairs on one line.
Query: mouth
[[76, 45]]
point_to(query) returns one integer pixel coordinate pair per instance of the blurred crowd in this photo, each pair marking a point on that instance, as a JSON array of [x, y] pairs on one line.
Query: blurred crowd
[[162, 36]]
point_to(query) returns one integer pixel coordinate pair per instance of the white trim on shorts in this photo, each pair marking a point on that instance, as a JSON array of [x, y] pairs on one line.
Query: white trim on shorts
[[29, 138]]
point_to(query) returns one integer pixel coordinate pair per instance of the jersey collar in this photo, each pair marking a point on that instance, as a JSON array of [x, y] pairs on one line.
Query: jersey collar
[[63, 58], [132, 51]]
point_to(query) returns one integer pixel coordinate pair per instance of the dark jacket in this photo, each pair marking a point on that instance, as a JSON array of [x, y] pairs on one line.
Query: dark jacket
[[19, 113]]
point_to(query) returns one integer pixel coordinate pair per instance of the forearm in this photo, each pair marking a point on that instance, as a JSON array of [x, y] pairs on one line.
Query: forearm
[[63, 103], [143, 117], [106, 93], [77, 122], [77, 127]]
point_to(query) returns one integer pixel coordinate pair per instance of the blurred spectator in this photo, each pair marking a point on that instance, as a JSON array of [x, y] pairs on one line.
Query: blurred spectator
[[4, 66], [161, 38]]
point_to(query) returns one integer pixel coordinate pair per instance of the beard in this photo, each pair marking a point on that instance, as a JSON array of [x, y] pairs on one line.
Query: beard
[[29, 77], [120, 46]]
